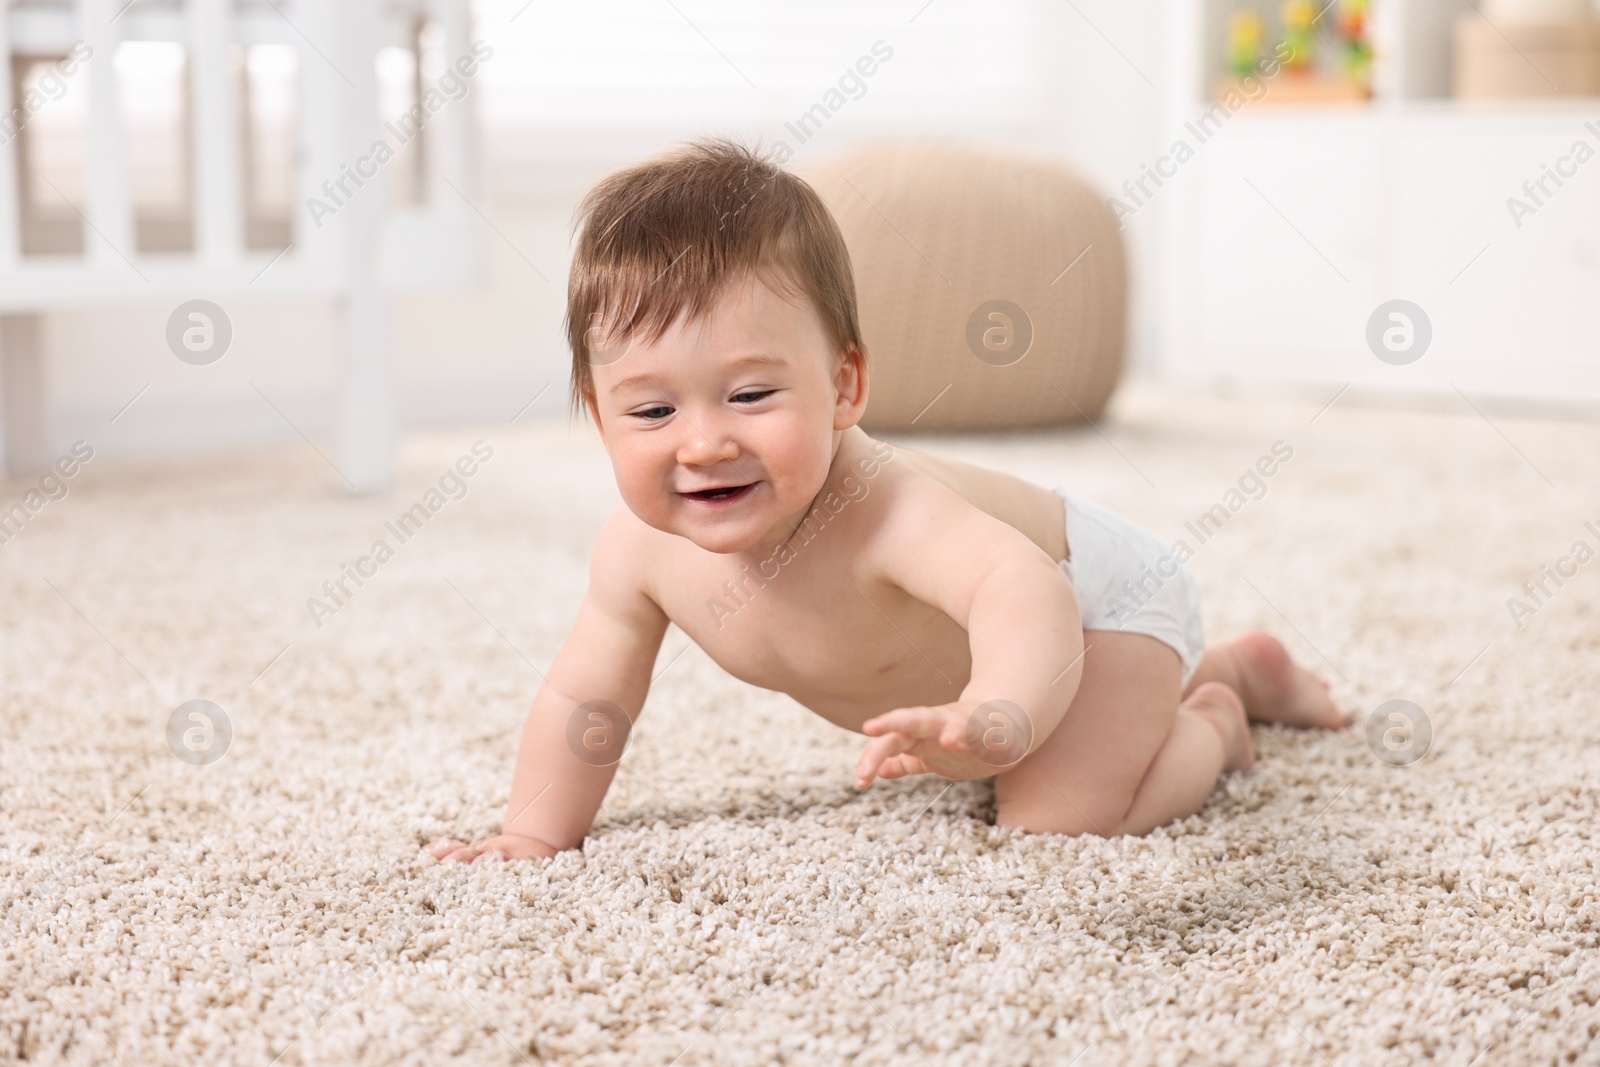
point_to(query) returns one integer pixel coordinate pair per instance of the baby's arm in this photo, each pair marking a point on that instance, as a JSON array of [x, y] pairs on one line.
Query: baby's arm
[[607, 657], [1023, 629]]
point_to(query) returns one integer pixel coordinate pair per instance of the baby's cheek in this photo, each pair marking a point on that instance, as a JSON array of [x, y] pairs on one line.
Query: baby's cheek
[[648, 501]]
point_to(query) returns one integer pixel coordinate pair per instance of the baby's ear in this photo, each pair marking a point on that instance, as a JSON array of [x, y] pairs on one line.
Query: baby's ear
[[852, 382]]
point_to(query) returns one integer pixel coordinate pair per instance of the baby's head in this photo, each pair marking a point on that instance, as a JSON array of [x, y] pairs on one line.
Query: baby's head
[[711, 312]]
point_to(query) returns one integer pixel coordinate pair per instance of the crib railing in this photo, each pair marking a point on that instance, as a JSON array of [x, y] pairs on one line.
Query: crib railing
[[367, 250]]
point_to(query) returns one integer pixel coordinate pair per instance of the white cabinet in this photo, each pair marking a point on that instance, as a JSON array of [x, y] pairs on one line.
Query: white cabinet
[[1287, 246], [1521, 317], [1294, 222]]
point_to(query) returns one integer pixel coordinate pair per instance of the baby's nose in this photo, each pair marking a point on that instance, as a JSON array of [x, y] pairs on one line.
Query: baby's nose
[[700, 451]]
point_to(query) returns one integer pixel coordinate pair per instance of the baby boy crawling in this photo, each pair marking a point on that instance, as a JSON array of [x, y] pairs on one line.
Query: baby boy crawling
[[955, 615]]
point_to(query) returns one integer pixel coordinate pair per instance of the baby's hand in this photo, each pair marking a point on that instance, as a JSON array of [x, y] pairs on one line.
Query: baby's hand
[[959, 741], [507, 846]]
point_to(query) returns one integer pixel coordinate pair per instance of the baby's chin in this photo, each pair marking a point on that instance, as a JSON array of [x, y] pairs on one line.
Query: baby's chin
[[721, 548], [723, 542], [723, 539]]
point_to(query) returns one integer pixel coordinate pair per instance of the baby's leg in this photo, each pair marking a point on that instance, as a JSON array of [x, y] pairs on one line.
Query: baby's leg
[[1126, 757], [1210, 732], [1257, 667]]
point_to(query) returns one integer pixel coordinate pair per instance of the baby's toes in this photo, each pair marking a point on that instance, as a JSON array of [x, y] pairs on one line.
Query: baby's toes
[[440, 849]]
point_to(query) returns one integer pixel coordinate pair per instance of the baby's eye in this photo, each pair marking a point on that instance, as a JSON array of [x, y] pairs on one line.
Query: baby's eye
[[758, 395], [648, 417]]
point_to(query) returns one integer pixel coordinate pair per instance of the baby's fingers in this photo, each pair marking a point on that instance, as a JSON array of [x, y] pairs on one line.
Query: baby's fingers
[[922, 723], [877, 751], [930, 725], [902, 766], [457, 852], [440, 849]]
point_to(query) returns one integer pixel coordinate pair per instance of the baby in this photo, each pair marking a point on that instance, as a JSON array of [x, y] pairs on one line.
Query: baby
[[957, 616]]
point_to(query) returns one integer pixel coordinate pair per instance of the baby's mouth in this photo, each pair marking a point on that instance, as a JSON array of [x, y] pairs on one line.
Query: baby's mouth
[[722, 493]]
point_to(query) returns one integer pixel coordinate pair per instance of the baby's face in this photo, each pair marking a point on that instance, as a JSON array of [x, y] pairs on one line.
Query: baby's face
[[746, 400]]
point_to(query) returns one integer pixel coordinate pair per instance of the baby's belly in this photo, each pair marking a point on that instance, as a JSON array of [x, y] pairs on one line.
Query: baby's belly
[[846, 653], [849, 695]]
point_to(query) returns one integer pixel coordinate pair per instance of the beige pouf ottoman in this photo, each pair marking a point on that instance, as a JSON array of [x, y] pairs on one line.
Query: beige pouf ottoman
[[993, 288]]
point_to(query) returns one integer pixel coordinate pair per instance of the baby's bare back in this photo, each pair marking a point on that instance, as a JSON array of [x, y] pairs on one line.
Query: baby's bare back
[[815, 617]]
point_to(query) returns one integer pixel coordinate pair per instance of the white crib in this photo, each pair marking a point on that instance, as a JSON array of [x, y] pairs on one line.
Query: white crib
[[358, 258]]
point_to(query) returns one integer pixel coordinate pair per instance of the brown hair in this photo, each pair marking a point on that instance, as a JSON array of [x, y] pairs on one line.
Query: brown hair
[[672, 232]]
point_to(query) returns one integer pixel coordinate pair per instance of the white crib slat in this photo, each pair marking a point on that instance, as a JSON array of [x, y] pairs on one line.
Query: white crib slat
[[111, 241], [320, 126], [453, 148], [24, 394], [218, 204], [345, 258], [340, 107], [10, 233]]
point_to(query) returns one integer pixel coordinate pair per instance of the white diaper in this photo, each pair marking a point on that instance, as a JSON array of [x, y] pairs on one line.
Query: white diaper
[[1127, 580]]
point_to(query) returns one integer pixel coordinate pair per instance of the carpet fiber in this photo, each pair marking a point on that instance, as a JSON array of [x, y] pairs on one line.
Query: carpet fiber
[[738, 902]]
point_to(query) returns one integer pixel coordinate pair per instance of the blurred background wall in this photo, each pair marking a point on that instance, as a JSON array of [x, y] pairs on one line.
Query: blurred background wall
[[1259, 259], [571, 92]]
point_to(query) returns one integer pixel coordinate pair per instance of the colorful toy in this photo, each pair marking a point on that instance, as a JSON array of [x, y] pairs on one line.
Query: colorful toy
[[1245, 30], [1326, 62], [1355, 49], [1298, 16]]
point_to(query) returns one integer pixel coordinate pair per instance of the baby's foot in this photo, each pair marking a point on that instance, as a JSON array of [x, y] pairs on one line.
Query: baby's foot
[[1276, 690], [1219, 704]]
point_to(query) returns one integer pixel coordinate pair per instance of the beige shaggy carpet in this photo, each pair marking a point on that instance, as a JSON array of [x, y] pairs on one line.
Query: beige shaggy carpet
[[738, 902]]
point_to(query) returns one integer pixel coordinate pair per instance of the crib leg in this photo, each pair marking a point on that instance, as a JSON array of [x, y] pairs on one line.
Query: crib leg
[[23, 394], [368, 430]]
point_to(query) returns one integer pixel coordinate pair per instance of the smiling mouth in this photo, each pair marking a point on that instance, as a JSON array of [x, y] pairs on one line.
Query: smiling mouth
[[726, 492]]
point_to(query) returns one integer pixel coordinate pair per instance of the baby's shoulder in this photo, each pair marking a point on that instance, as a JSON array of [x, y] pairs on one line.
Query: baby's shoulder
[[623, 550], [936, 510], [916, 501], [916, 483]]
